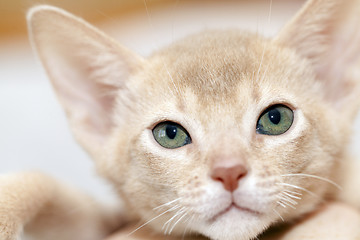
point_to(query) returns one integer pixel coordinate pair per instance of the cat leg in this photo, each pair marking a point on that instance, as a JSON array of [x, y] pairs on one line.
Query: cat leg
[[44, 209]]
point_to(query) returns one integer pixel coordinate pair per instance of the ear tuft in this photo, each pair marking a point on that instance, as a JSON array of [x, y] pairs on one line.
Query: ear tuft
[[87, 70]]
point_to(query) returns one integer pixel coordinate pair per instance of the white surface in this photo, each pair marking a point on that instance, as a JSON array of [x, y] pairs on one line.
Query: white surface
[[33, 130]]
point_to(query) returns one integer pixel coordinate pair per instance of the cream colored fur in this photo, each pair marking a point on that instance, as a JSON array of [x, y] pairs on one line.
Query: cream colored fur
[[215, 84]]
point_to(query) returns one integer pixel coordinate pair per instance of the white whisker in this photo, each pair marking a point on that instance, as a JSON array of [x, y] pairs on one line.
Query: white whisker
[[281, 204], [264, 74], [190, 220], [167, 204], [261, 61], [148, 15], [270, 12], [171, 90], [286, 198], [300, 188], [212, 77], [169, 210], [279, 215], [283, 201], [264, 49], [291, 196], [313, 176], [293, 193], [172, 228], [172, 79], [167, 223]]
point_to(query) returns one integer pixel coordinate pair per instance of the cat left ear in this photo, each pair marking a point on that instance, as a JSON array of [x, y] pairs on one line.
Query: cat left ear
[[87, 70], [327, 33]]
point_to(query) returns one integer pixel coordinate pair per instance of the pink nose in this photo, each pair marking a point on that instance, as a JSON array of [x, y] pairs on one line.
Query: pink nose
[[229, 176]]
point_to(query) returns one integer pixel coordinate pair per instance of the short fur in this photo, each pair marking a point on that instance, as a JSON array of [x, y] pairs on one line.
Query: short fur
[[215, 84]]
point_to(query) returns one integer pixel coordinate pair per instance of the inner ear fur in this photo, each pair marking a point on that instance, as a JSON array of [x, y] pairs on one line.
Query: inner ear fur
[[327, 34], [87, 70]]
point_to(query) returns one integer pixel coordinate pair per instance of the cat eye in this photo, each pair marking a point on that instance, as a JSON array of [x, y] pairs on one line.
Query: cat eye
[[275, 120], [171, 135]]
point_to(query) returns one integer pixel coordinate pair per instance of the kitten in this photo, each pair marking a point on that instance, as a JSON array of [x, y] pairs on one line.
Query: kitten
[[222, 134]]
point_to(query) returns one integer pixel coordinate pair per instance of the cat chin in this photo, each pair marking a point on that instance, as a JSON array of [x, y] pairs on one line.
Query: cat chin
[[234, 224]]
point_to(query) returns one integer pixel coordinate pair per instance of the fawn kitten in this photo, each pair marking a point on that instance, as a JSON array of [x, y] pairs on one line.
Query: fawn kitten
[[223, 133]]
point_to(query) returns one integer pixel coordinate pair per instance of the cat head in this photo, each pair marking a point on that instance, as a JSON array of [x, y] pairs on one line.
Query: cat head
[[222, 133]]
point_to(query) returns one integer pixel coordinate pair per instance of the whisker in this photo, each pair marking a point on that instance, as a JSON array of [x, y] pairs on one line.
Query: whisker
[[172, 92], [172, 22], [169, 210], [313, 176], [261, 61], [279, 215], [288, 200], [264, 74], [270, 12], [287, 203], [167, 204], [264, 49], [292, 192], [148, 180], [148, 14], [291, 196], [184, 215], [172, 79], [190, 220], [293, 200], [167, 223], [281, 204], [301, 188], [211, 73]]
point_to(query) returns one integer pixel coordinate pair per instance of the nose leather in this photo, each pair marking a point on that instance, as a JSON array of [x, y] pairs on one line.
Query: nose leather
[[229, 176]]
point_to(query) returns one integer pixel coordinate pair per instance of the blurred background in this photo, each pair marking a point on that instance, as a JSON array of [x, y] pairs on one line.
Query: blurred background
[[33, 129]]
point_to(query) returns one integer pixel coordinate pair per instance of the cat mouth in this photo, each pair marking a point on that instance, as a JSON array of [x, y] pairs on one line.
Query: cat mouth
[[235, 207]]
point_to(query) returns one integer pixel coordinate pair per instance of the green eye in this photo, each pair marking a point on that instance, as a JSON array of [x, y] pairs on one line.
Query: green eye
[[171, 135], [275, 120]]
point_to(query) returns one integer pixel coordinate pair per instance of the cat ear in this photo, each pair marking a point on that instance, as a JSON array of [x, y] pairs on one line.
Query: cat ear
[[86, 69], [327, 33]]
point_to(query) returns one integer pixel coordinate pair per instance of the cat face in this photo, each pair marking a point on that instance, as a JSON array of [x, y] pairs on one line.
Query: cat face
[[222, 133], [218, 99]]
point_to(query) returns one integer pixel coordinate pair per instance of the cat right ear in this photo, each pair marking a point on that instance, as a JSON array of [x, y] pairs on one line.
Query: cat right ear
[[327, 34], [87, 70]]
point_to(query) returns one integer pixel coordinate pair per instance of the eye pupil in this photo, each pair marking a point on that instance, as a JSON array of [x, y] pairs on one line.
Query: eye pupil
[[171, 131], [274, 116]]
